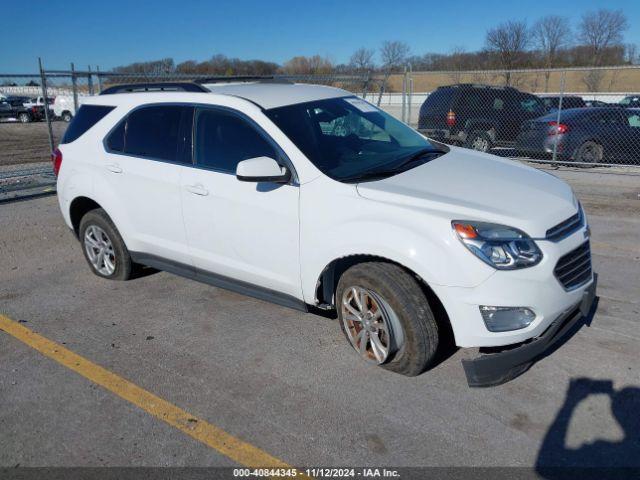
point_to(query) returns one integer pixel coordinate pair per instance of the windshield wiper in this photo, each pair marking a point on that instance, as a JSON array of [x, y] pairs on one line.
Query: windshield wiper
[[406, 164]]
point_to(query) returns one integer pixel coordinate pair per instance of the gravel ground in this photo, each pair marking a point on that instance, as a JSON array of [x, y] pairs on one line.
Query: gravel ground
[[22, 143]]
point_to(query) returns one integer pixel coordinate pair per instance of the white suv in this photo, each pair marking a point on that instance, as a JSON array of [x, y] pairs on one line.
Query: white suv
[[312, 198]]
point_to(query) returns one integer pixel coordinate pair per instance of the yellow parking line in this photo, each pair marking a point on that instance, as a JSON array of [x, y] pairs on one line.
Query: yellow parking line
[[237, 450]]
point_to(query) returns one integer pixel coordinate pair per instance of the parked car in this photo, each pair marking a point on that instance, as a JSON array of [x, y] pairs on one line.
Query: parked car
[[477, 116], [631, 101], [591, 135], [13, 107], [312, 198], [64, 107], [552, 102]]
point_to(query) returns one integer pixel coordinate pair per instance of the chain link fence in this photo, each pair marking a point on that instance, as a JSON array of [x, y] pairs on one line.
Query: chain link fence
[[577, 116]]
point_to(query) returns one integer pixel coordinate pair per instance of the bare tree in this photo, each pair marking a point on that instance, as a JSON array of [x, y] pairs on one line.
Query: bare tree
[[550, 34], [601, 30], [508, 41], [593, 80], [314, 65], [456, 63], [631, 53], [362, 60], [394, 55]]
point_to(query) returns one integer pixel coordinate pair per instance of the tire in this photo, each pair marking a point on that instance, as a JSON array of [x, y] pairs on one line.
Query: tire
[[66, 116], [399, 302], [589, 152], [478, 140], [24, 118], [116, 263]]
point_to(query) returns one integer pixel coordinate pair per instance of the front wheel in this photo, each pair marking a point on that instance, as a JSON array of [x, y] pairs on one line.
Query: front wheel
[[66, 116], [24, 118], [386, 318]]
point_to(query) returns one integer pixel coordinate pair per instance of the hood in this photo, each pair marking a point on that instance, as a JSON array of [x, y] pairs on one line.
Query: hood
[[468, 185]]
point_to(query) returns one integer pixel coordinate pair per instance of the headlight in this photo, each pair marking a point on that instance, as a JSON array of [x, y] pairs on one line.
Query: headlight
[[502, 247]]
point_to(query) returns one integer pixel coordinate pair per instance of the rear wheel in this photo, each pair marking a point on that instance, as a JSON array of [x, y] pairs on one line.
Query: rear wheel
[[479, 140], [590, 152], [66, 116], [103, 247], [386, 317], [24, 118]]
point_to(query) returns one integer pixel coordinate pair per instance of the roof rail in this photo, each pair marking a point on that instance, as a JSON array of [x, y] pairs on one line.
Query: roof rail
[[243, 78], [155, 87], [479, 85]]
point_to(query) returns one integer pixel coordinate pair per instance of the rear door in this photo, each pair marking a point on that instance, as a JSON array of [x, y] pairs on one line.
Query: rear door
[[610, 130], [146, 155]]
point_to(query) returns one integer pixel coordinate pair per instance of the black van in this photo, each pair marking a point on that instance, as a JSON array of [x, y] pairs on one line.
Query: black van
[[477, 116]]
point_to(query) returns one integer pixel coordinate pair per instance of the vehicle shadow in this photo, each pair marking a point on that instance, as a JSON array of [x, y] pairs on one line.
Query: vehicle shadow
[[600, 459], [142, 271]]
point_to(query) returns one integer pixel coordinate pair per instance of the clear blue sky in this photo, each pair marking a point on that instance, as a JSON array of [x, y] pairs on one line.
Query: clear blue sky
[[116, 32]]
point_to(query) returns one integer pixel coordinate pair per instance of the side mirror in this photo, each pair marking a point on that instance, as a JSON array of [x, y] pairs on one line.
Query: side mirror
[[262, 169]]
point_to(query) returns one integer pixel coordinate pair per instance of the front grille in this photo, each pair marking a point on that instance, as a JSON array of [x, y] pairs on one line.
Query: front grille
[[574, 268], [565, 228]]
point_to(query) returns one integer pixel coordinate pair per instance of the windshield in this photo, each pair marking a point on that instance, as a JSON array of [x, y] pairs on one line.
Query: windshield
[[350, 140]]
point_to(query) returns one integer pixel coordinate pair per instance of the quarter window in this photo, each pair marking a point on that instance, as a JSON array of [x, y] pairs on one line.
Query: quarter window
[[87, 117], [223, 139], [156, 132], [115, 141]]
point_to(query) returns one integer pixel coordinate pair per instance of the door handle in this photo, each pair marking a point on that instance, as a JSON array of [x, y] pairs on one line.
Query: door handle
[[197, 189], [114, 167]]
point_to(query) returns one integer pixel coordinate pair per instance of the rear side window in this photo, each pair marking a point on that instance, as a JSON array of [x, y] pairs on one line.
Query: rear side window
[[87, 117], [439, 101], [155, 132], [224, 139]]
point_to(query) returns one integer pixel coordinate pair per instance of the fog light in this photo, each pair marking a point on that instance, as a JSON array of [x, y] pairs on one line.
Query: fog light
[[503, 319]]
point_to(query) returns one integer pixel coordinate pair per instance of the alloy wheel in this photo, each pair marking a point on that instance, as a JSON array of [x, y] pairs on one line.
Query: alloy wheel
[[371, 325], [481, 144], [99, 250]]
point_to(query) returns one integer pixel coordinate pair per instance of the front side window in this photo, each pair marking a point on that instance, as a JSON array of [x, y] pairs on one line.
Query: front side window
[[350, 140], [156, 132], [223, 139]]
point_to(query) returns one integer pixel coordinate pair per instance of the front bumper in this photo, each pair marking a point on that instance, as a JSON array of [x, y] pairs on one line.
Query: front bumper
[[497, 368]]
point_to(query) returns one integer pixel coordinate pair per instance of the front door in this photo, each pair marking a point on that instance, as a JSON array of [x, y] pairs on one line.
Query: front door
[[247, 232]]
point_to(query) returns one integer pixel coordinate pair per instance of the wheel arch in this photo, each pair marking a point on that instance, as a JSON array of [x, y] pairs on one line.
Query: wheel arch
[[78, 208], [481, 125], [330, 276]]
